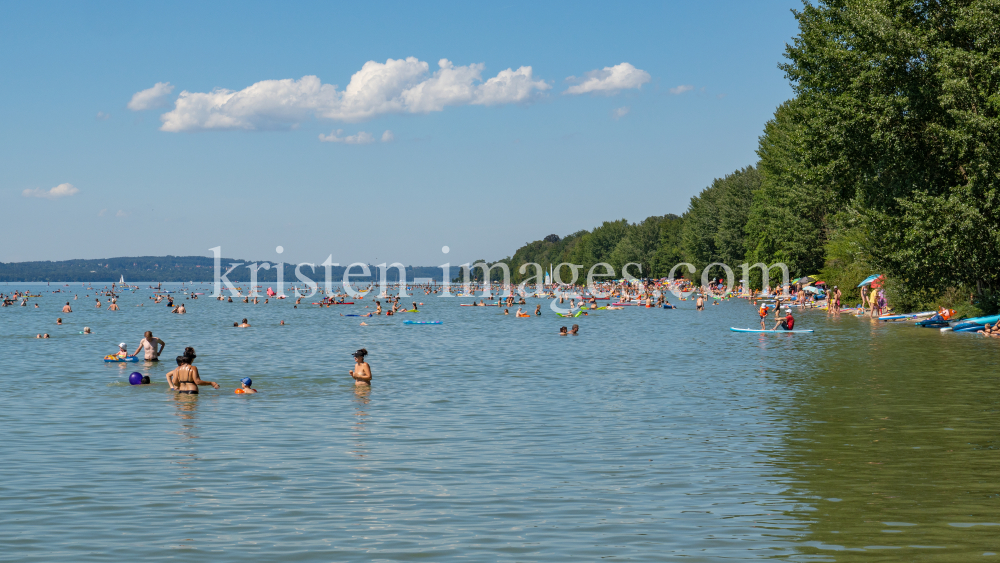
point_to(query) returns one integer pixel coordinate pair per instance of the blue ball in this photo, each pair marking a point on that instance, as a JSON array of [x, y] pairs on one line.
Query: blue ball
[[135, 378]]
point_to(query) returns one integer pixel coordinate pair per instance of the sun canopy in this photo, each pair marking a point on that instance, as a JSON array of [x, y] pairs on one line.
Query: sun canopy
[[870, 279], [813, 289]]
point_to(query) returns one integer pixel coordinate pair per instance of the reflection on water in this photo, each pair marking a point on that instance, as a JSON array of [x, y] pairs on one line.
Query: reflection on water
[[653, 435], [362, 395], [893, 448], [186, 406]]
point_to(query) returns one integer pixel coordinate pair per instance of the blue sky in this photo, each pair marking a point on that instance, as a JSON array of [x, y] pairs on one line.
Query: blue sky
[[478, 159]]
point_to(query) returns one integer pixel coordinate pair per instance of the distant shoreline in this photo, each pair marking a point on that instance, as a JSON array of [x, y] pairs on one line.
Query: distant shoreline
[[198, 269]]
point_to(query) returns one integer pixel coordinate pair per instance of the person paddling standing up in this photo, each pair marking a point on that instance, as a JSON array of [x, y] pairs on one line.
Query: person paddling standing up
[[149, 345]]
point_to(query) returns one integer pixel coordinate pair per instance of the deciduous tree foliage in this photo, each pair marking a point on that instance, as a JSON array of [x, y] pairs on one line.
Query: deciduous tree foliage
[[887, 160], [900, 109]]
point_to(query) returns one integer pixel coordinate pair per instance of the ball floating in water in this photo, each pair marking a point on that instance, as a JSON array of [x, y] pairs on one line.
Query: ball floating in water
[[135, 378]]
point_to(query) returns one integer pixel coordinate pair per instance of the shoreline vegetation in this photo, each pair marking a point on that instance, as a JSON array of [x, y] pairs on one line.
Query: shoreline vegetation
[[887, 160]]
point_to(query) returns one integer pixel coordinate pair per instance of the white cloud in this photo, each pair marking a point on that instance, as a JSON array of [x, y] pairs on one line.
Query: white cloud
[[62, 190], [388, 137], [102, 212], [509, 86], [396, 86], [609, 80], [155, 97], [103, 116], [621, 112], [681, 89], [362, 138], [121, 214]]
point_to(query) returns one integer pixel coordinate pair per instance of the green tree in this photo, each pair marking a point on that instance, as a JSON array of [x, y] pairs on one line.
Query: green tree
[[901, 116], [787, 220]]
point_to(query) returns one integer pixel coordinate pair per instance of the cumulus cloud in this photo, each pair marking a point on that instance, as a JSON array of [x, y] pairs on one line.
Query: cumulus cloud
[[388, 137], [396, 86], [362, 138], [621, 112], [609, 80], [121, 214], [681, 89], [150, 98], [103, 116], [62, 190]]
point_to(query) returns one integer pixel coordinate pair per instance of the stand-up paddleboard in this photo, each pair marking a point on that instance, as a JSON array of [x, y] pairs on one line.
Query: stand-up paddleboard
[[974, 328], [907, 316], [734, 329], [977, 322], [421, 322]]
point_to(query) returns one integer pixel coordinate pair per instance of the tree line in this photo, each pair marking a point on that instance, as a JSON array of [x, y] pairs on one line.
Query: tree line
[[884, 161]]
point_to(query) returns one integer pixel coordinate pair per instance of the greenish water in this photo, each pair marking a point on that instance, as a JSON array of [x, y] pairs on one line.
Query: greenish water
[[653, 435]]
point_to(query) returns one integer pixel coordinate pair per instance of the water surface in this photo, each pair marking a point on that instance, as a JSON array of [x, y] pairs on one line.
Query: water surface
[[653, 435]]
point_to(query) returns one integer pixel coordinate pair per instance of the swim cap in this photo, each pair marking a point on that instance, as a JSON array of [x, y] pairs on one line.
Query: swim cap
[[122, 345], [246, 381]]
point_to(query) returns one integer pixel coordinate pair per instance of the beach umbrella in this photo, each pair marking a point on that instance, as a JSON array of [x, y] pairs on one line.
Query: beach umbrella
[[869, 279], [813, 289], [804, 279]]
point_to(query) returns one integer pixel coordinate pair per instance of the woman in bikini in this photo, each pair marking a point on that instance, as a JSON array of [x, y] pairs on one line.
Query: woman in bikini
[[362, 372], [185, 378]]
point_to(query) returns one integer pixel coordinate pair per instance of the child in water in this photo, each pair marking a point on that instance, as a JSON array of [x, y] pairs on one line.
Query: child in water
[[122, 351], [246, 382]]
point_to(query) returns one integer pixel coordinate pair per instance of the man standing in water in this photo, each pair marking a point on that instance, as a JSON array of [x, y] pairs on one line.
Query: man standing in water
[[67, 308], [148, 344]]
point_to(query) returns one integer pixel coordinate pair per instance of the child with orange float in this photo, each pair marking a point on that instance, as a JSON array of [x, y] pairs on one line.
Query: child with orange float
[[247, 382]]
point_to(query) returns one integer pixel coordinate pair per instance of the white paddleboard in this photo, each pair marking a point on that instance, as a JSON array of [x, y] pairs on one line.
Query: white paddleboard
[[734, 329]]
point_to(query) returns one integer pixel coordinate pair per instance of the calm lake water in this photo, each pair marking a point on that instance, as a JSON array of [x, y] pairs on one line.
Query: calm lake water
[[654, 435]]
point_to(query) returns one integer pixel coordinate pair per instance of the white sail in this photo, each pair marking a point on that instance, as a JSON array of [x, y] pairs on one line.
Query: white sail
[[122, 281]]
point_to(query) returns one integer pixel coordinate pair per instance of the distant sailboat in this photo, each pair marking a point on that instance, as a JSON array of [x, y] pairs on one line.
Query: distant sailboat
[[122, 281]]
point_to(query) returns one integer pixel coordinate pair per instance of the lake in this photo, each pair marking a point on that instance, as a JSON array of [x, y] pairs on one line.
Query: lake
[[653, 435]]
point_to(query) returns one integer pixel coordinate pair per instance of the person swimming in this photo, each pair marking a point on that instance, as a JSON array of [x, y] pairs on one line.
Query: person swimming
[[362, 372], [575, 330], [186, 379], [246, 382], [563, 331]]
